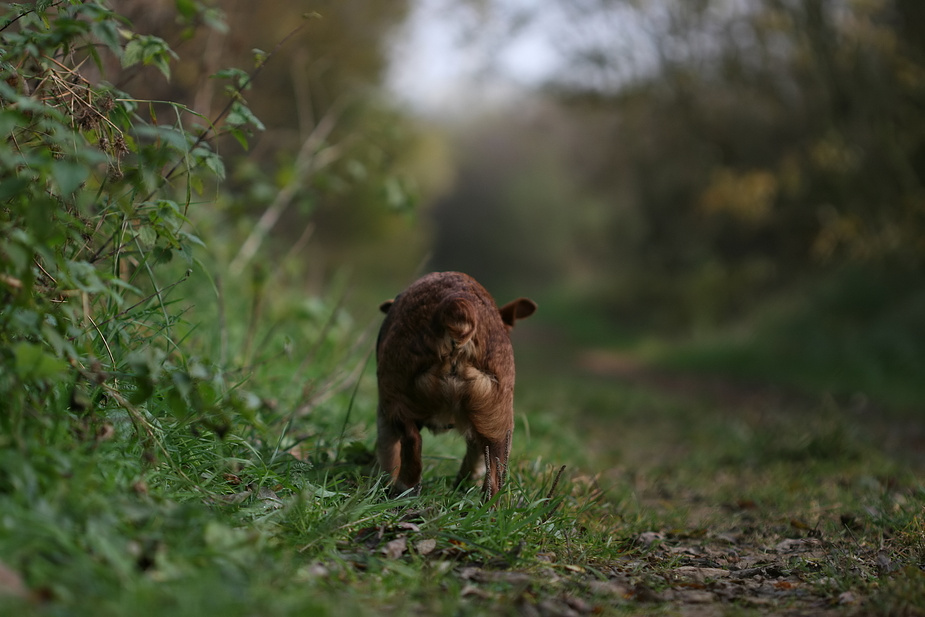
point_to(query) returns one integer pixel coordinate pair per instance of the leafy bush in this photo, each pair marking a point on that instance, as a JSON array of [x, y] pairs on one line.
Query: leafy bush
[[94, 200], [120, 427]]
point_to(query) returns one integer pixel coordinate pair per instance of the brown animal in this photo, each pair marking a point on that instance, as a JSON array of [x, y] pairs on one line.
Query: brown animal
[[444, 360]]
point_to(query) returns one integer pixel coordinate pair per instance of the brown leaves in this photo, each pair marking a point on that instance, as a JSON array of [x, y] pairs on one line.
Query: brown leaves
[[746, 567], [395, 548], [395, 541]]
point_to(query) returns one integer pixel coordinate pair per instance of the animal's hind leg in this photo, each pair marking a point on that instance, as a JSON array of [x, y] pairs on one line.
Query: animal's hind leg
[[388, 446], [473, 465], [496, 455], [409, 476], [398, 448], [488, 458]]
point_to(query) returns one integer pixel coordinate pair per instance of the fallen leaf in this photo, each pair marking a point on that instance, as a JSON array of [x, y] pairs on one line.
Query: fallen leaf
[[755, 601], [316, 570], [608, 588], [700, 574], [727, 537], [370, 536], [425, 547], [105, 432], [795, 545], [578, 604], [644, 593], [648, 538], [481, 575], [395, 548], [850, 522], [747, 572], [847, 597], [694, 596], [269, 499], [467, 574], [475, 590], [884, 563]]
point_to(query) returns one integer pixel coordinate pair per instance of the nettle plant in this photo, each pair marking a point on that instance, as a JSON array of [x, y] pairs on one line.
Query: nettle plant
[[94, 195]]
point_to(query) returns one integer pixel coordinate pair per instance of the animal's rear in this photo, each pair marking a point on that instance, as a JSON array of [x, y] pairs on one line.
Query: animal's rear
[[445, 360]]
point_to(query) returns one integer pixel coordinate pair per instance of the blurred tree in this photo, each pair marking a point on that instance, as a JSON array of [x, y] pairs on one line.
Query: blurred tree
[[738, 146], [332, 160], [751, 141]]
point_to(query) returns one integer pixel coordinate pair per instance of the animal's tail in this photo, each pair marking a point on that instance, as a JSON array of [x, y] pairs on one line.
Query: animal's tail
[[456, 318]]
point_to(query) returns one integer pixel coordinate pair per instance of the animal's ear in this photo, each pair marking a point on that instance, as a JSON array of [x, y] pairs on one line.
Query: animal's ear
[[385, 306], [520, 308]]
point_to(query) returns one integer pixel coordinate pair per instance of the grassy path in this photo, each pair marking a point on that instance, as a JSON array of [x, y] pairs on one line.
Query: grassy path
[[682, 496], [733, 498]]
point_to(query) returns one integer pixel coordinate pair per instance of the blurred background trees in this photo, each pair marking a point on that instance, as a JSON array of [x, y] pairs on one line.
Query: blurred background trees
[[326, 169], [729, 150], [767, 138], [668, 167], [679, 163]]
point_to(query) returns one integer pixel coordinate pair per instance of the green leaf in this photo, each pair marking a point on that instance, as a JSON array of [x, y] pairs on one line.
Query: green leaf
[[148, 50], [215, 19], [239, 135], [69, 175], [146, 235], [144, 389], [85, 277], [236, 75], [32, 362], [133, 53], [240, 115], [192, 239], [107, 32], [186, 8], [215, 164], [13, 187], [162, 254]]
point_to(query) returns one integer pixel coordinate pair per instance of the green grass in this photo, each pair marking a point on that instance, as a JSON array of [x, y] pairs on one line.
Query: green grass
[[667, 495], [855, 332]]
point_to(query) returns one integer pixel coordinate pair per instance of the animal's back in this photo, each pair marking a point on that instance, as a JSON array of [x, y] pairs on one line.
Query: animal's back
[[444, 360], [443, 345]]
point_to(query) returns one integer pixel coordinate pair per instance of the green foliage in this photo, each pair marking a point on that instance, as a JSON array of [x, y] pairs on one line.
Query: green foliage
[[147, 50], [88, 220]]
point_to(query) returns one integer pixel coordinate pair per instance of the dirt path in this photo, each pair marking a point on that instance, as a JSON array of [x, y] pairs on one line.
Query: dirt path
[[753, 557]]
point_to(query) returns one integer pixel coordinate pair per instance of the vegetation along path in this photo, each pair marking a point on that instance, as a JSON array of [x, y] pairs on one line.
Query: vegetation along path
[[732, 498]]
